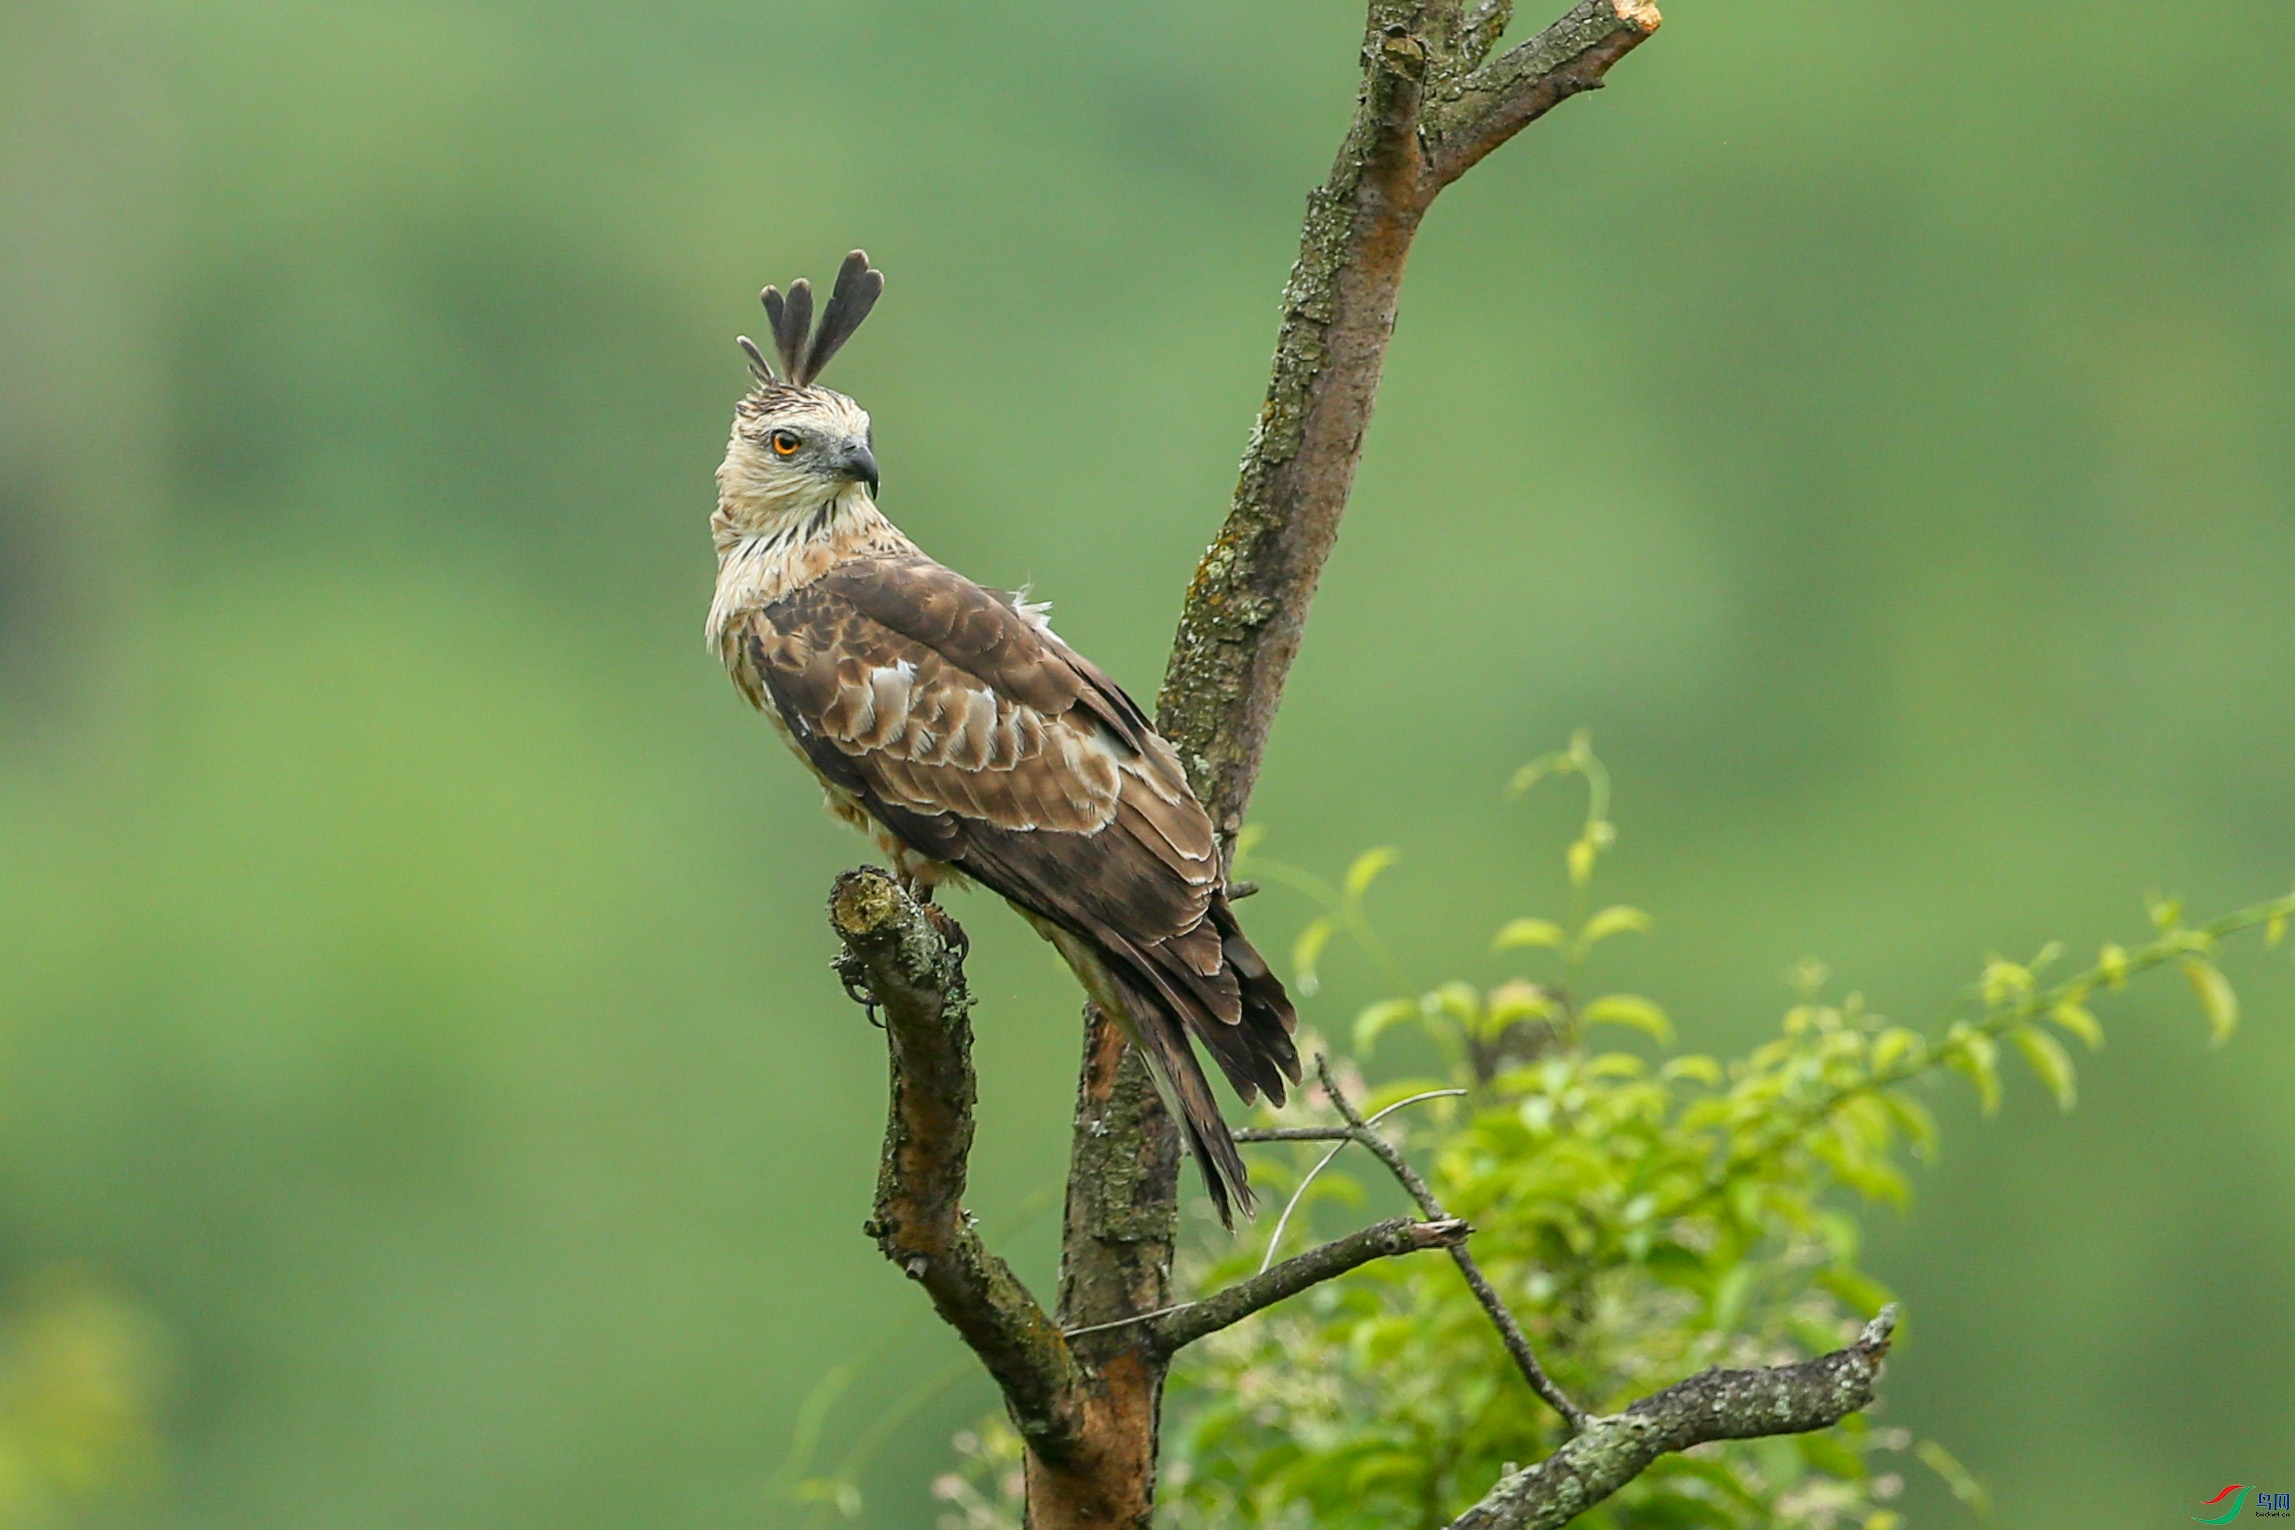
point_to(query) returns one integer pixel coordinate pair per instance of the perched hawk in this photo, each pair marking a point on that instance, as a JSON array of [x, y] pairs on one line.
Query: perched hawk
[[952, 722]]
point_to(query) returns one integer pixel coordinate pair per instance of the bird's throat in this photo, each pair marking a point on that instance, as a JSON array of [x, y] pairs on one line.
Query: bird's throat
[[761, 558]]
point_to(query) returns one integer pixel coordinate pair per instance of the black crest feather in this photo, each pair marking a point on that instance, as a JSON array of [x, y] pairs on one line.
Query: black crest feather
[[858, 287], [804, 354], [759, 367]]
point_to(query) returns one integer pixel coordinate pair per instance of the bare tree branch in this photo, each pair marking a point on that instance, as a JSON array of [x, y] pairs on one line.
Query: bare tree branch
[[1501, 98], [1484, 25], [908, 963], [1717, 1405], [1509, 1332], [1247, 607], [1184, 1325]]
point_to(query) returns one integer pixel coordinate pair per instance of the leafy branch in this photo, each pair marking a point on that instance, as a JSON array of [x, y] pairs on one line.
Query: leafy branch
[[1641, 1217]]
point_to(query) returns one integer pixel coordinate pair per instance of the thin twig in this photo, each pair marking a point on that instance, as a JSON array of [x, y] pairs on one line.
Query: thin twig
[[1292, 1204], [1224, 1309], [1126, 1322], [1296, 1134], [1344, 1137], [1509, 1331]]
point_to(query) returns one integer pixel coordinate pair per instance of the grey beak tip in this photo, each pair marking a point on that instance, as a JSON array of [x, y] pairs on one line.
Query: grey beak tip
[[861, 466]]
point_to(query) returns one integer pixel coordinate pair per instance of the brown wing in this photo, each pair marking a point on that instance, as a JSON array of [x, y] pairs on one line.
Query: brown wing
[[980, 739]]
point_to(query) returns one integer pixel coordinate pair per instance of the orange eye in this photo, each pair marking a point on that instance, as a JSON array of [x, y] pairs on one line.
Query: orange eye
[[785, 443]]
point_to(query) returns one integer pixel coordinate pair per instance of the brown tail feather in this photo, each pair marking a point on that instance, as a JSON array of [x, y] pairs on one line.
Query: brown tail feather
[[1187, 1095], [1161, 1000], [1256, 1052]]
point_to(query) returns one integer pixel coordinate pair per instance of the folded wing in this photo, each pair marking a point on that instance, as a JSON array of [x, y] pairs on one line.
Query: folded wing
[[975, 735]]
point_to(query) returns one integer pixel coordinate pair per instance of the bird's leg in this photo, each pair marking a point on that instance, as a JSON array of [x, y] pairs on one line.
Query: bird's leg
[[950, 931], [918, 883], [848, 970]]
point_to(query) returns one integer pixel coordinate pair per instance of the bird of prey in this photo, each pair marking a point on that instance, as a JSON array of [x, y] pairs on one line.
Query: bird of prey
[[953, 724]]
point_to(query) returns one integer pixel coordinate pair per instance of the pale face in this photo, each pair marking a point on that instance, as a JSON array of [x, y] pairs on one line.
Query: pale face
[[793, 452]]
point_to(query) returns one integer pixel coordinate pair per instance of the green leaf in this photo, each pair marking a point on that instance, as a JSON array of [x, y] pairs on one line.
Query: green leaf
[[2215, 997], [1518, 933], [2049, 1063], [1913, 1119], [1704, 1069], [1580, 857], [1538, 770], [2004, 983], [1617, 919], [1895, 1045], [1973, 1053], [1462, 1001], [1629, 1009], [1377, 1019], [1367, 867], [1308, 951], [2076, 1018], [1510, 1003], [1957, 1477]]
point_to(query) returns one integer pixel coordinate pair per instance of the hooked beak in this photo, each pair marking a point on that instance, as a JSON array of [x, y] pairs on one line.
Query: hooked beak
[[859, 465]]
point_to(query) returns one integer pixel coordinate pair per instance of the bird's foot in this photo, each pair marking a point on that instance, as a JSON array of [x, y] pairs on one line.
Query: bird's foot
[[857, 988], [951, 933]]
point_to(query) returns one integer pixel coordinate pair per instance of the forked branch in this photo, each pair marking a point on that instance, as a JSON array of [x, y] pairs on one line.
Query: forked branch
[[1501, 1317], [906, 963], [1492, 103], [1429, 109], [1715, 1405]]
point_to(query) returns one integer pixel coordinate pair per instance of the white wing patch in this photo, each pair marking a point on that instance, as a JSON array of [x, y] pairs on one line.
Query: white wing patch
[[1036, 613]]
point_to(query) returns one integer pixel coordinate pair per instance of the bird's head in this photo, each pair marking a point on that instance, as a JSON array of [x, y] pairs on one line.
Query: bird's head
[[797, 448]]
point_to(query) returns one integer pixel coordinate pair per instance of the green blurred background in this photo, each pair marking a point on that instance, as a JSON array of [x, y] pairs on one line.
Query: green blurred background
[[419, 1073]]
